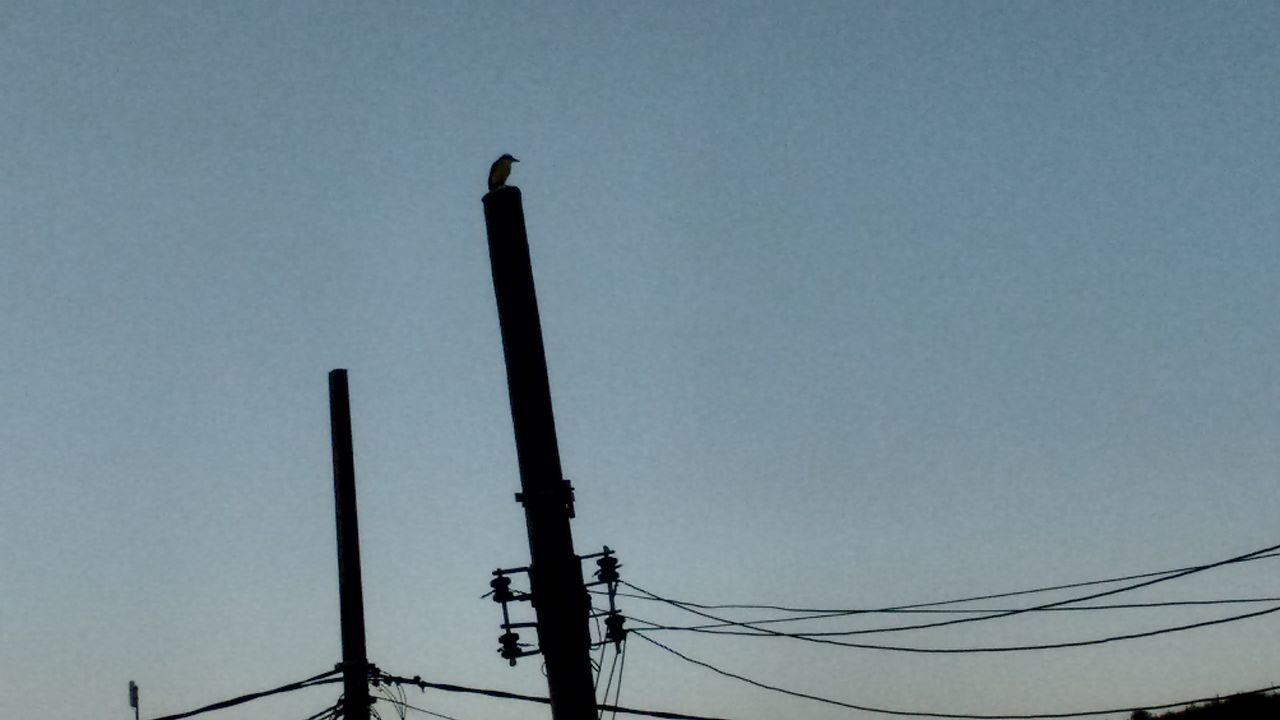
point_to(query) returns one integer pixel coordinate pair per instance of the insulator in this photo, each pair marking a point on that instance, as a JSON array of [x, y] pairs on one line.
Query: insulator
[[614, 632], [502, 589], [608, 571], [509, 646]]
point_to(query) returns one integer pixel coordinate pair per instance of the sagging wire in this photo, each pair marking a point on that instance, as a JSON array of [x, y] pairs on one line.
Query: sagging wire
[[392, 690], [392, 694], [822, 638], [818, 613], [911, 713], [939, 611], [321, 679]]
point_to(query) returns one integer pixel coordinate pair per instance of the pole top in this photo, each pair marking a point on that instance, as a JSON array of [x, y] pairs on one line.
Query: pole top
[[499, 192]]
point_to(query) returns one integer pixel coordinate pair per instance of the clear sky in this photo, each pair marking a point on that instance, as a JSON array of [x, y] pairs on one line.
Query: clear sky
[[846, 304]]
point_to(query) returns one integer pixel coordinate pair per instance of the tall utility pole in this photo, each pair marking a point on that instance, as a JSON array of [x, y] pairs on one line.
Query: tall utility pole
[[355, 663], [559, 599]]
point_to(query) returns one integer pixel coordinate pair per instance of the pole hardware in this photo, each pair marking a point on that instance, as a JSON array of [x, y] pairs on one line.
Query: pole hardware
[[502, 592], [509, 645], [607, 566], [614, 632], [608, 572], [559, 495], [602, 553]]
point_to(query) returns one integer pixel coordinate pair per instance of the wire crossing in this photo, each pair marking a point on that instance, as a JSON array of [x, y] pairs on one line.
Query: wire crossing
[[813, 637], [825, 638], [1264, 554], [963, 611]]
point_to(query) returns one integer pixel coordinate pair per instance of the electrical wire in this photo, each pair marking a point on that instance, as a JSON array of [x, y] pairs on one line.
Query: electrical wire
[[598, 665], [912, 713], [665, 715], [812, 637], [617, 692], [504, 695], [1263, 554], [321, 679], [425, 711], [608, 684], [965, 611], [396, 697], [824, 638], [1109, 606]]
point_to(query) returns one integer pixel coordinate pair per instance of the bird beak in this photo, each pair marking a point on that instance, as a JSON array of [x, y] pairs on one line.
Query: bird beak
[[515, 159]]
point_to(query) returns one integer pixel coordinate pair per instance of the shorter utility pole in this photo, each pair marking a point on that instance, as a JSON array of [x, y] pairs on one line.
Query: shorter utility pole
[[355, 662]]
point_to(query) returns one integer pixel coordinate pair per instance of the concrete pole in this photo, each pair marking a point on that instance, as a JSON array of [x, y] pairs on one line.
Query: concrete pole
[[560, 601], [355, 663]]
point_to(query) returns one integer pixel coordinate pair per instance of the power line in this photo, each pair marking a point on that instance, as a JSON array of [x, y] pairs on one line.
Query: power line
[[504, 695], [979, 618], [406, 704], [609, 683], [449, 687], [816, 637], [395, 695], [662, 714], [321, 679], [1263, 554], [961, 611], [598, 665], [617, 692], [911, 713]]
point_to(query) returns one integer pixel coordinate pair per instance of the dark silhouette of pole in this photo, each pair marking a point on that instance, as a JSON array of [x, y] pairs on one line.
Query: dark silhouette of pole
[[555, 576], [355, 663], [133, 699]]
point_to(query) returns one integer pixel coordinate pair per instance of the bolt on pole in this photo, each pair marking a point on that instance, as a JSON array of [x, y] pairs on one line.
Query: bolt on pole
[[560, 601]]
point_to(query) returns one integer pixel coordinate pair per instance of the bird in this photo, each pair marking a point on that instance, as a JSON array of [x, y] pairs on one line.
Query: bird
[[499, 171]]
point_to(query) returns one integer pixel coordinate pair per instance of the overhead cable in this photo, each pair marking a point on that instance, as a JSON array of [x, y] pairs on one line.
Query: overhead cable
[[963, 611], [321, 679], [914, 713], [814, 637], [979, 618], [1263, 554], [424, 711], [617, 692], [504, 695], [609, 683]]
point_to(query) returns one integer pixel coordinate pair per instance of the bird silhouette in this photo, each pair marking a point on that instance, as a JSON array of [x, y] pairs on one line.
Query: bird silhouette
[[500, 170]]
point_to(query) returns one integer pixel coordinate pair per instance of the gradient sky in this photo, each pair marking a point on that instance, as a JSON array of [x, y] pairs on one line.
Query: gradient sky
[[846, 304]]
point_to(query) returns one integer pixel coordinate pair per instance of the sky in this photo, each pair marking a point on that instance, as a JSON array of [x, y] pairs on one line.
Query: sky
[[845, 304]]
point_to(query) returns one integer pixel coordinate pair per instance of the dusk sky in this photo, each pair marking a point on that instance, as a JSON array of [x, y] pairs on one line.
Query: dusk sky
[[846, 305]]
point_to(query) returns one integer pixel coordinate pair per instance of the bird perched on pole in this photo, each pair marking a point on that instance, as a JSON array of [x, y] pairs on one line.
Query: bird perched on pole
[[499, 171]]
